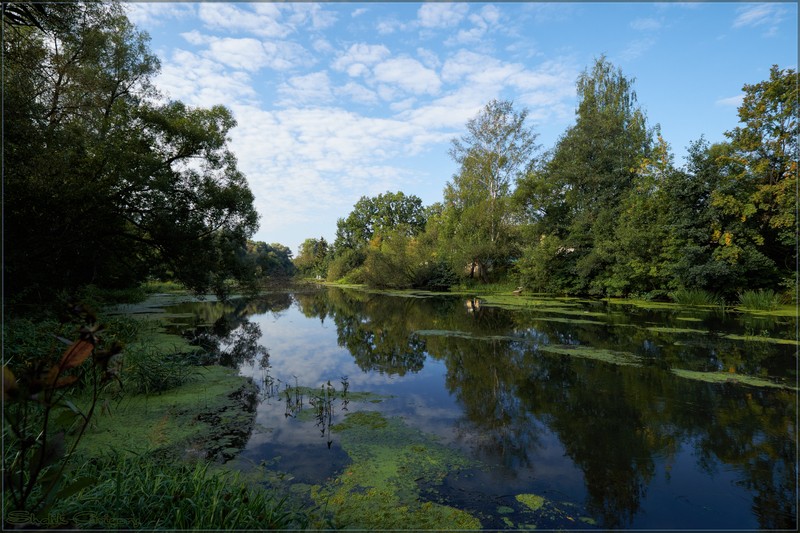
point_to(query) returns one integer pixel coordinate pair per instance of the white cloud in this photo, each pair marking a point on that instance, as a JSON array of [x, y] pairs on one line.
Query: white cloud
[[358, 12], [758, 15], [201, 81], [488, 18], [645, 24], [429, 58], [360, 56], [157, 13], [408, 74], [262, 20], [731, 101], [441, 15], [265, 19], [637, 48], [358, 93], [311, 89]]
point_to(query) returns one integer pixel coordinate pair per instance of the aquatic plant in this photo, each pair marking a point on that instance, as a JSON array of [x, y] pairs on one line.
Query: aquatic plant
[[695, 297], [380, 488], [762, 299]]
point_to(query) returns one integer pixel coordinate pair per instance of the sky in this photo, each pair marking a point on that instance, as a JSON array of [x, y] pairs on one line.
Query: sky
[[335, 101]]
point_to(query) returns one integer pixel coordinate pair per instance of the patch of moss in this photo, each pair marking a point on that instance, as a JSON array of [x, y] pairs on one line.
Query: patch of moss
[[380, 488], [533, 502], [589, 352], [728, 377]]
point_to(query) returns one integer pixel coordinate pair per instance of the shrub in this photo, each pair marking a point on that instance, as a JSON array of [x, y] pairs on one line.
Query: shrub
[[695, 297], [762, 299]]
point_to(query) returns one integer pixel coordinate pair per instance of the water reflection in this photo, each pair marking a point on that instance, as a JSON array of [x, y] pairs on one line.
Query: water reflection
[[652, 447]]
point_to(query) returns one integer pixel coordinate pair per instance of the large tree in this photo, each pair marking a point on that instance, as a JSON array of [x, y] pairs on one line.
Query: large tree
[[372, 216], [496, 150], [577, 195], [105, 182]]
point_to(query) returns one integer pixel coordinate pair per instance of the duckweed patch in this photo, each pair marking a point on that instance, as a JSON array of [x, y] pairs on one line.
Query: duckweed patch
[[728, 377], [533, 502], [380, 488], [597, 354], [664, 329], [759, 338]]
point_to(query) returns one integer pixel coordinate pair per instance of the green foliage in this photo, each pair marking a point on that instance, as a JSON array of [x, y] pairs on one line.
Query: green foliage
[[764, 300], [145, 493], [346, 262], [373, 217], [477, 217], [313, 257], [695, 297], [270, 260], [102, 181], [38, 412]]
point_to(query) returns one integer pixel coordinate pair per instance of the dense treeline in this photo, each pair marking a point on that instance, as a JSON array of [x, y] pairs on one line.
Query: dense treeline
[[605, 212], [106, 182]]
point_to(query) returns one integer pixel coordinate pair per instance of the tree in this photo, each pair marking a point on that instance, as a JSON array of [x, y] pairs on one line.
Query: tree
[[372, 216], [271, 260], [495, 152], [591, 169], [313, 257], [758, 192], [103, 183]]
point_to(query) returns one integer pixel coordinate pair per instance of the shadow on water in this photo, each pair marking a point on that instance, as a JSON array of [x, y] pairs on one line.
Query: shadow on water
[[607, 412]]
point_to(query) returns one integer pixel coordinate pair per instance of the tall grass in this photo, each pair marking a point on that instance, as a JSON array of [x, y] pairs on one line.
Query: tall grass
[[147, 370], [143, 493], [695, 297], [762, 299]]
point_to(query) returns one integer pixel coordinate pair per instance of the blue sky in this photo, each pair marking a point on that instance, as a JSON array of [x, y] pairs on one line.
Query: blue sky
[[339, 100]]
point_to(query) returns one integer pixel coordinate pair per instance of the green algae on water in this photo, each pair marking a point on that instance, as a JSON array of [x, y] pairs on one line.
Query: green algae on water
[[728, 377], [533, 502], [589, 352], [380, 488]]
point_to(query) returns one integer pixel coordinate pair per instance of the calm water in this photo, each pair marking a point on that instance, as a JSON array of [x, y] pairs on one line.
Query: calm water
[[572, 400]]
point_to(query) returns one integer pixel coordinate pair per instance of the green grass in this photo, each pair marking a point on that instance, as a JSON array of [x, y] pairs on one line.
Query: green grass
[[761, 300], [143, 493]]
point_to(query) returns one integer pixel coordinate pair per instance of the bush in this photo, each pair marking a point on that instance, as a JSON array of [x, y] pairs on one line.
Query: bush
[[345, 262], [695, 297], [762, 299]]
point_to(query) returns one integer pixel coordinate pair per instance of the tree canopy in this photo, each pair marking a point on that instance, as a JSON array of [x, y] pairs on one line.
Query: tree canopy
[[106, 182]]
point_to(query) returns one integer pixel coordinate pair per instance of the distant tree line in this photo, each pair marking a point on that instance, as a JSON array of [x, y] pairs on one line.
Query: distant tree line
[[605, 212], [106, 182]]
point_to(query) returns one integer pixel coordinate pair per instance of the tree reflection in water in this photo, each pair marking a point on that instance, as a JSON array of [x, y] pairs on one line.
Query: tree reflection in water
[[622, 426]]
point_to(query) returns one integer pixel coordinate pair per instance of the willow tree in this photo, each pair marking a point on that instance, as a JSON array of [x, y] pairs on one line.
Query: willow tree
[[496, 150]]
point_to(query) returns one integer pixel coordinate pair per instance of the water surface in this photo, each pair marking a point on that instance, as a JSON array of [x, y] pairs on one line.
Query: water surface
[[618, 417]]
